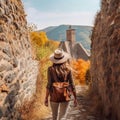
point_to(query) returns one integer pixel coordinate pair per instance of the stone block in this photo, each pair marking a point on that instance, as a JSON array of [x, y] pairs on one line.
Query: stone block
[[2, 98], [4, 57], [10, 77], [5, 66], [1, 81], [1, 29], [3, 38], [2, 12], [7, 51], [4, 88], [14, 62], [16, 25]]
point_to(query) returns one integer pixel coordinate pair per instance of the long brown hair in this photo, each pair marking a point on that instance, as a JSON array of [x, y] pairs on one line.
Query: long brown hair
[[61, 70]]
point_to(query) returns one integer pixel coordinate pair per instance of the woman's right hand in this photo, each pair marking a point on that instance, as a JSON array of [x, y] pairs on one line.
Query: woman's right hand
[[46, 102]]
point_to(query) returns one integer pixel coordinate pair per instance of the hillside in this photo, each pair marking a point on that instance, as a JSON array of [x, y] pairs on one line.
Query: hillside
[[59, 33]]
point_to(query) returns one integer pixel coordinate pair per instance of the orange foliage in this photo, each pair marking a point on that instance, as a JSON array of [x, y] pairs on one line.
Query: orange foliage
[[38, 38], [80, 68]]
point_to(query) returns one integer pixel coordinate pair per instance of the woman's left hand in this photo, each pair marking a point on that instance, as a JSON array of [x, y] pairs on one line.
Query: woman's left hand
[[75, 102]]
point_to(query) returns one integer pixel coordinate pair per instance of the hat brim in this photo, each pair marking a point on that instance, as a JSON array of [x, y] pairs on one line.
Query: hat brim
[[62, 60]]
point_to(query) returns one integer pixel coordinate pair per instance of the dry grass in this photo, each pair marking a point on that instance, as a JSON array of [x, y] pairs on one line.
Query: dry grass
[[36, 110]]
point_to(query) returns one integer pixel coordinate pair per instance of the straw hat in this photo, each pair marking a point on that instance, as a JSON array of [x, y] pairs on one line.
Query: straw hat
[[59, 56]]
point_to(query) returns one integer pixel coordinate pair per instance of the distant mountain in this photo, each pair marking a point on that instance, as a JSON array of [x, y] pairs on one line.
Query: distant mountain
[[59, 33], [49, 28]]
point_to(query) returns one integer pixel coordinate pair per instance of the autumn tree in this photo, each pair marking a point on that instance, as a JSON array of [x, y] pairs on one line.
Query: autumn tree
[[38, 38], [80, 70]]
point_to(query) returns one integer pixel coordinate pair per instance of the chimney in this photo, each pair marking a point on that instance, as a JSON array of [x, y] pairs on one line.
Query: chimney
[[70, 34]]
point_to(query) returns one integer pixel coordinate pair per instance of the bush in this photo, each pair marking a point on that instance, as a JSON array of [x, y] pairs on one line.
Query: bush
[[81, 71]]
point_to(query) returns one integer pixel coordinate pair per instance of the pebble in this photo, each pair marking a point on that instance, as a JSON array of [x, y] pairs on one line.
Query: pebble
[[75, 112]]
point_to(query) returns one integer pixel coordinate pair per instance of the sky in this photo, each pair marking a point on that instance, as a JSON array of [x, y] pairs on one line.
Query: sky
[[45, 13]]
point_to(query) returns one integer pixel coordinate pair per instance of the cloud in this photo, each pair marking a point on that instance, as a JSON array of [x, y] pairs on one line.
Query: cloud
[[45, 19]]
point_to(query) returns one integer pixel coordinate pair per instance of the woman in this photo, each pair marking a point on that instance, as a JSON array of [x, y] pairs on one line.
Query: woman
[[60, 84]]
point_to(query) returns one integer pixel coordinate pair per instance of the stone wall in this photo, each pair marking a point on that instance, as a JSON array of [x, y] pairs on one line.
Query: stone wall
[[18, 72], [105, 58]]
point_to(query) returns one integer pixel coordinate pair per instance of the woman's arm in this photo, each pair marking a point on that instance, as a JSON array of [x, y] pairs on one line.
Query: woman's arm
[[72, 88], [46, 97], [75, 99]]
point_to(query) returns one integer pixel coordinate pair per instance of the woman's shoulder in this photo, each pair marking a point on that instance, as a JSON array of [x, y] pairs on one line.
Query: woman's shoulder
[[50, 68]]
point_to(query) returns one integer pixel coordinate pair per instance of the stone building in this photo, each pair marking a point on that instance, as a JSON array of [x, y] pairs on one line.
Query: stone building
[[76, 50], [70, 33]]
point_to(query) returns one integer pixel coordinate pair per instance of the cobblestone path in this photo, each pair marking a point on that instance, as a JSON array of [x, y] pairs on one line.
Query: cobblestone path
[[83, 110]]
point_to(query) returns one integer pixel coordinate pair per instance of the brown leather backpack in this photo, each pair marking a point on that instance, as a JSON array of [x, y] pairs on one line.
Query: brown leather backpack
[[61, 91]]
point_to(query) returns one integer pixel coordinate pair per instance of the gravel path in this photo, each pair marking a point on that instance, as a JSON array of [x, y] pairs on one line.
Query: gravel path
[[83, 110]]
